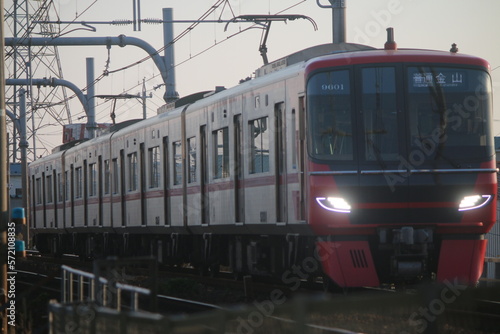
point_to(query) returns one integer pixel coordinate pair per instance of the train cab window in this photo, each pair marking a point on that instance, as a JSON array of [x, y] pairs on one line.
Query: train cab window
[[177, 152], [92, 180], [154, 167], [78, 182], [221, 153], [330, 116], [259, 141], [449, 109], [191, 142], [132, 172], [379, 109]]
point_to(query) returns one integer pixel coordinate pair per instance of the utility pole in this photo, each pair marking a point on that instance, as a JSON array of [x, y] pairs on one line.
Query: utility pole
[[144, 97]]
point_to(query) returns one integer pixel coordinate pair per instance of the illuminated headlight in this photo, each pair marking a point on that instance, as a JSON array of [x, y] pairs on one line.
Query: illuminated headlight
[[473, 202], [336, 204]]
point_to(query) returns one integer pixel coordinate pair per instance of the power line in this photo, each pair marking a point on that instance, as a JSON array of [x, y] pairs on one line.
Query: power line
[[215, 44], [201, 19]]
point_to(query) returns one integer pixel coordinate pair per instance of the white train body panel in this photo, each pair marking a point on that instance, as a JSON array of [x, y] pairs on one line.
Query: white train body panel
[[228, 163]]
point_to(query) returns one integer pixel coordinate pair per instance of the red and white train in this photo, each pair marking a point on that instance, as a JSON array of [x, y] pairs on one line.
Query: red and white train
[[365, 165]]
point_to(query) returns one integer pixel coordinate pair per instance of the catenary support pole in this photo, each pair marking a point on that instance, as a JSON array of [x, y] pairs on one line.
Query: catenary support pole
[[91, 123]]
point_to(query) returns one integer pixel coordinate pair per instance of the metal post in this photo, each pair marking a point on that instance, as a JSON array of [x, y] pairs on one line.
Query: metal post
[[92, 290], [81, 280], [24, 159], [338, 19], [135, 301], [91, 124], [104, 288], [70, 287], [144, 115], [339, 22], [168, 36], [64, 286], [118, 299]]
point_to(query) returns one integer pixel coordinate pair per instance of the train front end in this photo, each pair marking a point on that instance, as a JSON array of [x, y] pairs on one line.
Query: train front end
[[401, 176]]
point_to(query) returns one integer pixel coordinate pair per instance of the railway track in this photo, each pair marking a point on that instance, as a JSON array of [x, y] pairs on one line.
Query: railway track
[[476, 310]]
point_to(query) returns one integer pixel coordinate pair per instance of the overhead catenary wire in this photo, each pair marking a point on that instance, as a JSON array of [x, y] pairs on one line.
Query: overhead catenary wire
[[217, 43], [187, 31]]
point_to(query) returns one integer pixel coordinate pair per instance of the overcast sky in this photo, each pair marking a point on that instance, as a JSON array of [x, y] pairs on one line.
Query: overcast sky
[[427, 24]]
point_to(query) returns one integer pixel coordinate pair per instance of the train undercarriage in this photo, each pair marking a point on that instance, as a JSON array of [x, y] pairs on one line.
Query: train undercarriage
[[393, 255], [262, 255]]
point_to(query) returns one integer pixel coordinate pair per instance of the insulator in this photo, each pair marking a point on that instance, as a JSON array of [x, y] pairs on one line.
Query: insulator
[[121, 22], [152, 21]]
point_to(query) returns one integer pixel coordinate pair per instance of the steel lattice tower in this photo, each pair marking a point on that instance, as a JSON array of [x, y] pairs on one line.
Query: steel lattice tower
[[47, 108]]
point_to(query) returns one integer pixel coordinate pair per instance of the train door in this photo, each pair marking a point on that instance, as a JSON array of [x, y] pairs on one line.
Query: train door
[[100, 190], [142, 173], [280, 162], [72, 194], [239, 191], [166, 184], [55, 196], [301, 158], [44, 202], [205, 216], [85, 194], [33, 202], [123, 188]]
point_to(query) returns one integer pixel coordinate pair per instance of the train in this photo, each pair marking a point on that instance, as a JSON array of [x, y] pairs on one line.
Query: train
[[356, 165]]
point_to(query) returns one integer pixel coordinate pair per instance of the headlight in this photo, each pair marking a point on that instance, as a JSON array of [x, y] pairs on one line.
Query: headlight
[[473, 202], [337, 204]]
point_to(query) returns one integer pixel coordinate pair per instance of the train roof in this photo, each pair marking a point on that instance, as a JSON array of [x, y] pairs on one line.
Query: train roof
[[309, 53], [311, 58], [396, 56]]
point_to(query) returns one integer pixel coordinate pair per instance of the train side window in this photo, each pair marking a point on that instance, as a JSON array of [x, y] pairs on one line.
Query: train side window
[[38, 187], [92, 180], [259, 141], [107, 176], [191, 142], [132, 172], [154, 167], [48, 186], [116, 176], [294, 139], [177, 152], [221, 153], [60, 188], [67, 185], [78, 182]]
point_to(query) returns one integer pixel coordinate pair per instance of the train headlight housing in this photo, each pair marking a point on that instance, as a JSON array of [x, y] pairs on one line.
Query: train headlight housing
[[473, 202], [336, 204]]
